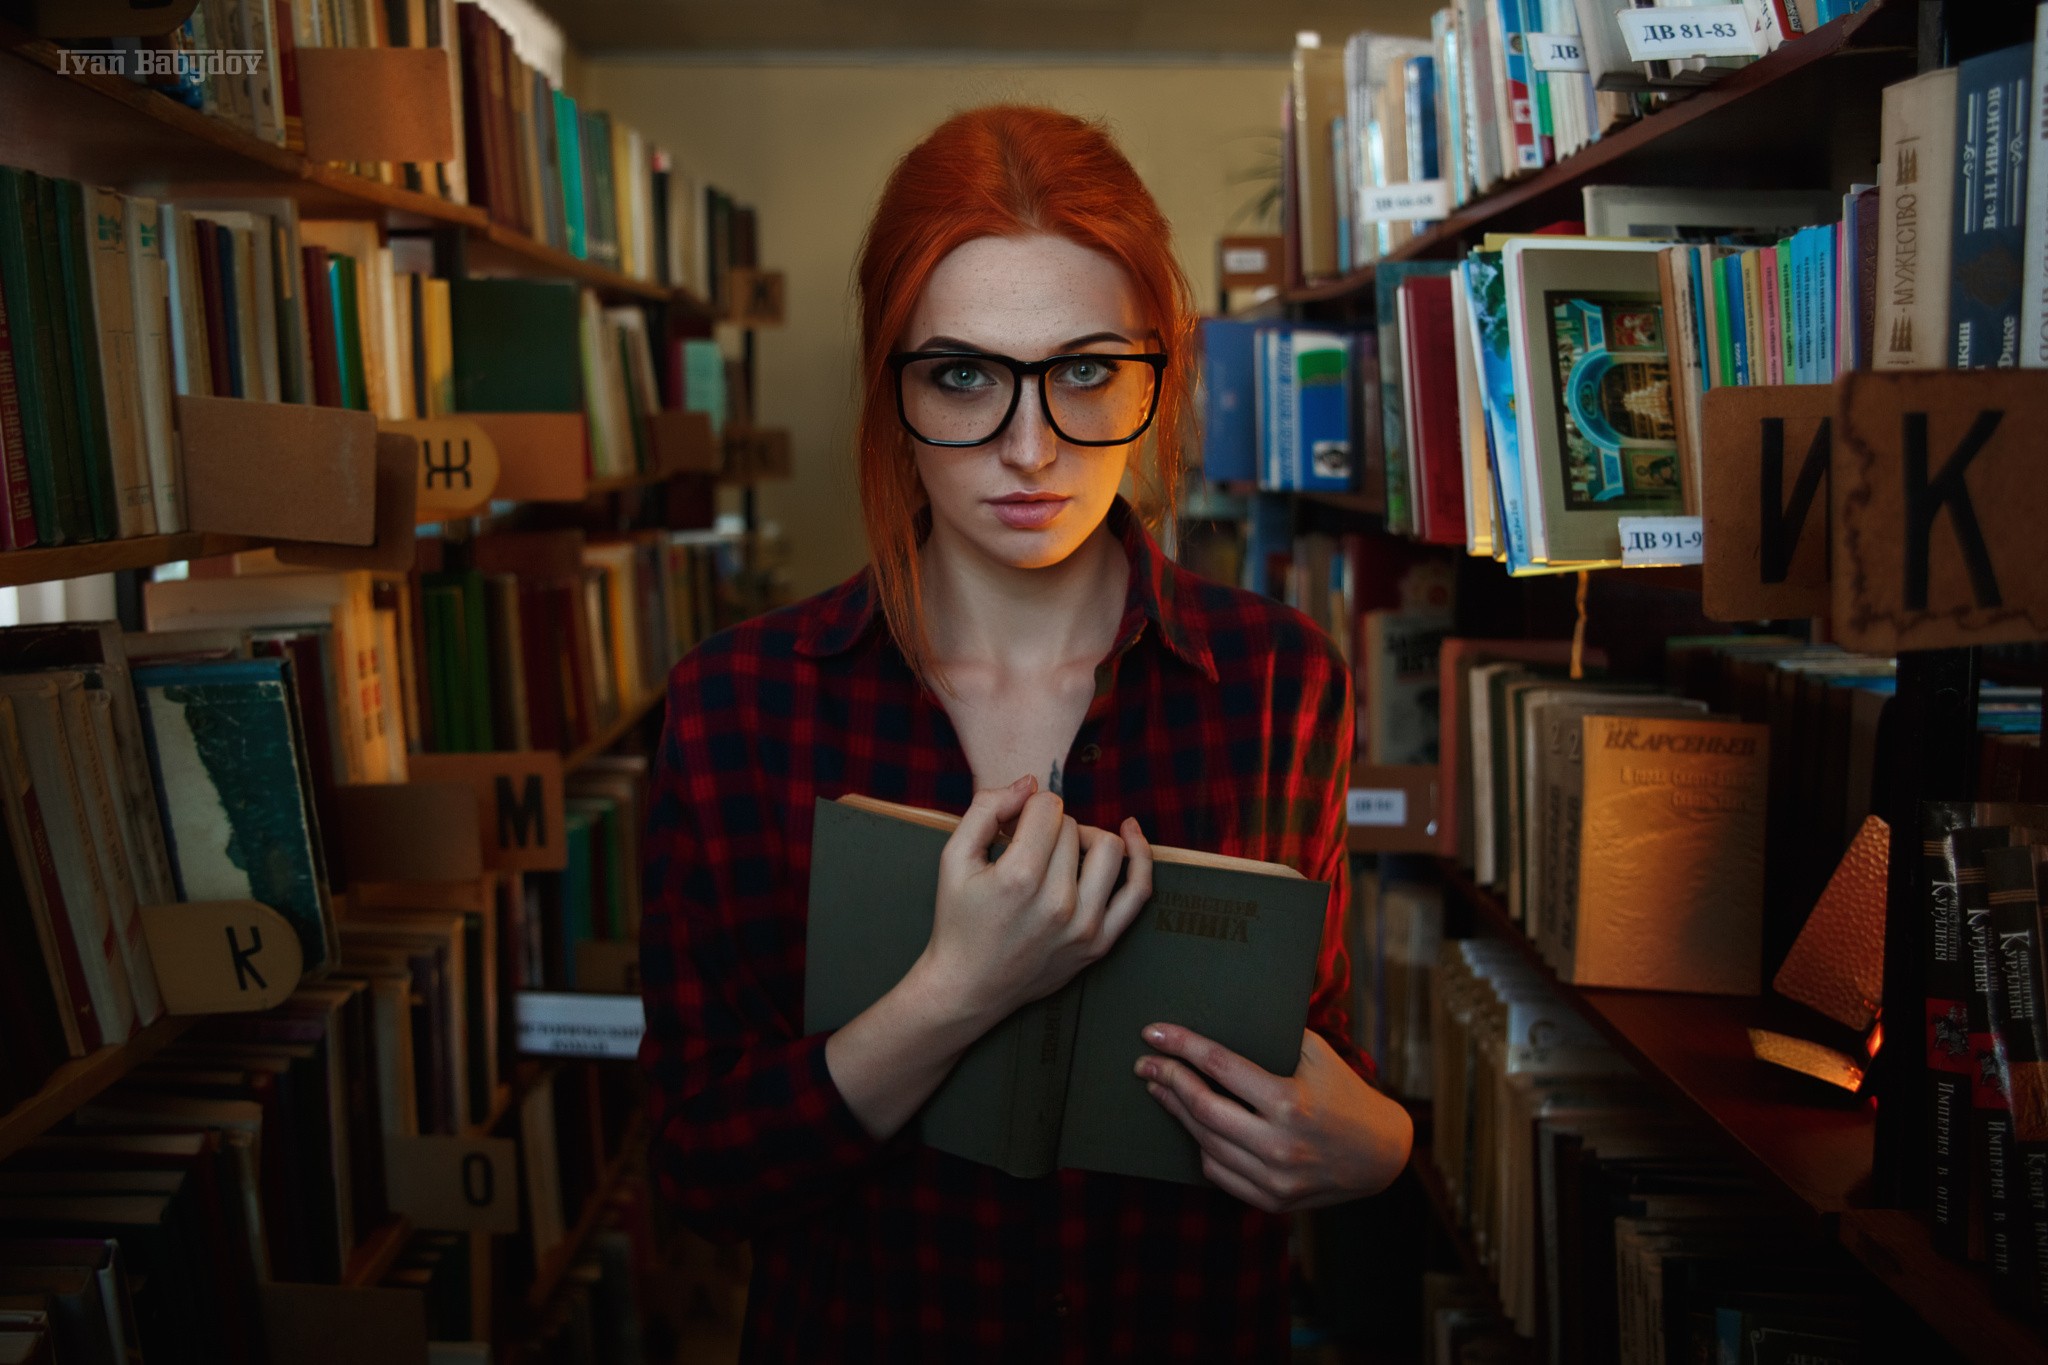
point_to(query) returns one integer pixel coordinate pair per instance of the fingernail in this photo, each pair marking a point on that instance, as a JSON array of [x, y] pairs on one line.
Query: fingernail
[[1155, 1034], [1154, 1089], [1147, 1068]]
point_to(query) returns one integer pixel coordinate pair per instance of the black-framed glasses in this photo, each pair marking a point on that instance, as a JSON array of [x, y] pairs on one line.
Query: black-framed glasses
[[967, 398]]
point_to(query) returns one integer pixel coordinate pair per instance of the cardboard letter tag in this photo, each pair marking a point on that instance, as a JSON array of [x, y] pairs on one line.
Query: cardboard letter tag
[[1765, 503], [1939, 509]]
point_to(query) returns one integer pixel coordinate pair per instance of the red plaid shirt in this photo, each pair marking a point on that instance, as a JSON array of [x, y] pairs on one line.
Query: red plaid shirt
[[1222, 720]]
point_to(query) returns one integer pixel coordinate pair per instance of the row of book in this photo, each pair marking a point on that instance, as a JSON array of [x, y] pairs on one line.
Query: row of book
[[577, 179], [112, 304], [1612, 1227], [249, 1154], [1500, 89]]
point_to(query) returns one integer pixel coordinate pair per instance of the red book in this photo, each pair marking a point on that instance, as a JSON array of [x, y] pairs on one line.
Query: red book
[[476, 157], [288, 74], [219, 355], [1429, 380], [320, 327], [17, 512]]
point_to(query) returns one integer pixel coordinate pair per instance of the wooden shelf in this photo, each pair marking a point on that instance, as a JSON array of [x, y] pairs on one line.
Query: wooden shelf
[[1816, 1153], [372, 1259], [1952, 1298], [614, 732], [1739, 120], [129, 136], [78, 1082], [105, 556]]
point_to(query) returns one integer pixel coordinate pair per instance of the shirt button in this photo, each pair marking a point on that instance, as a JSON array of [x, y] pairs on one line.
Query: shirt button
[[1089, 753], [1059, 1305]]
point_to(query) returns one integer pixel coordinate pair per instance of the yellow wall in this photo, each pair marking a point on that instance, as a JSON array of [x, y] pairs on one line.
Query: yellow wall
[[809, 147]]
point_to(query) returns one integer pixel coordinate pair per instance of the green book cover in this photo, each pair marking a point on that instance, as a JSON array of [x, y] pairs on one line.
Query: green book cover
[[518, 345], [74, 228], [476, 662], [348, 331], [442, 603], [1724, 330], [1228, 950], [578, 836], [29, 334], [569, 142], [66, 448]]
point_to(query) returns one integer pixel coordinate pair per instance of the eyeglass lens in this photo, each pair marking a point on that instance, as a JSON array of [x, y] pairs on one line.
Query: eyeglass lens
[[1091, 398]]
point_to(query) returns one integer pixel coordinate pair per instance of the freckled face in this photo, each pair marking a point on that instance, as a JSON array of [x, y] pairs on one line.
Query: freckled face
[[1028, 498]]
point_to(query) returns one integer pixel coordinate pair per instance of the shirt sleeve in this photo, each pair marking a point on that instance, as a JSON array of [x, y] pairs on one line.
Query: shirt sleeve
[[750, 1129], [1332, 722]]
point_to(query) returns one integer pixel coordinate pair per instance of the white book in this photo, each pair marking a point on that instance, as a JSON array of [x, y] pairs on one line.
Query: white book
[[149, 292], [191, 368], [2034, 299], [1915, 222], [113, 310], [40, 721], [90, 734]]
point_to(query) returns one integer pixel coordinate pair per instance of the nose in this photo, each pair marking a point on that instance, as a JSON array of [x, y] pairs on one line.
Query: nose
[[1030, 443]]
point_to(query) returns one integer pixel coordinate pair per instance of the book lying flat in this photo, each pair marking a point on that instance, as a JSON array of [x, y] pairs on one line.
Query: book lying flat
[[1225, 946]]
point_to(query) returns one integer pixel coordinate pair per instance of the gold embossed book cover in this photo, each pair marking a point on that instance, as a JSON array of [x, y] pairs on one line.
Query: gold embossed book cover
[[1671, 855]]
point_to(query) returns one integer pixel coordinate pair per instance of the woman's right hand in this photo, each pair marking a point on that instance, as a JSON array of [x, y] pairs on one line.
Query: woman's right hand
[[1008, 932]]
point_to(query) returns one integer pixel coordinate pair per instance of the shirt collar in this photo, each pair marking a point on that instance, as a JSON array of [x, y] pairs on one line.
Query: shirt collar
[[1158, 593]]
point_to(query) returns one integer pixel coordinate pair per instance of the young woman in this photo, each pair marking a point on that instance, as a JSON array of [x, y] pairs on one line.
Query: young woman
[[1020, 650]]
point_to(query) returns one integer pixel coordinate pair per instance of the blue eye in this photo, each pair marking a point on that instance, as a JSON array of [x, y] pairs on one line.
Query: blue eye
[[962, 376], [1087, 374]]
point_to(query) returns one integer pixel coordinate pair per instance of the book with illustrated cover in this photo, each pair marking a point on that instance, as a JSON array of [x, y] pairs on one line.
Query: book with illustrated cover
[[1598, 433], [1226, 947]]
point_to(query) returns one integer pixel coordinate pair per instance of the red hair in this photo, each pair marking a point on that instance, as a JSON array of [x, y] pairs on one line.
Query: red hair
[[1005, 170]]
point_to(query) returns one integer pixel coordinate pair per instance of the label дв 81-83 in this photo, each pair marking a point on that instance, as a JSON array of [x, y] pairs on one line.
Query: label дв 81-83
[[1660, 35], [1660, 540]]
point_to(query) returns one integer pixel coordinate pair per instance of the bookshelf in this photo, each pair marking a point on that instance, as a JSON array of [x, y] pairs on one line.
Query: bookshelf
[[375, 1252], [1770, 115], [125, 135], [41, 565], [78, 1082]]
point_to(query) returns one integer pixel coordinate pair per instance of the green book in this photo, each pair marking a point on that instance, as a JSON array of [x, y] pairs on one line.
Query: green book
[[74, 509], [74, 234], [441, 601], [518, 345], [476, 663], [569, 145], [348, 327], [1225, 947], [29, 334]]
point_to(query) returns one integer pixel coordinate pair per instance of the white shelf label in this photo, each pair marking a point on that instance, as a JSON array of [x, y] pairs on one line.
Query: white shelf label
[[1383, 806], [1661, 35], [1660, 540], [1556, 52], [558, 1024], [1415, 199], [1246, 260]]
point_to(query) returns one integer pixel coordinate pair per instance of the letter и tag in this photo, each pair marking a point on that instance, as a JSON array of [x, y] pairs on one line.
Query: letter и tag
[[1765, 501]]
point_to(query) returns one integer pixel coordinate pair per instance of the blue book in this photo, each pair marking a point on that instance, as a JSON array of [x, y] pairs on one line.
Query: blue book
[[1738, 329], [1230, 401], [228, 759], [1824, 300], [1321, 447], [1485, 285], [1269, 531], [1702, 332], [1420, 98], [230, 312], [1989, 246], [1277, 424]]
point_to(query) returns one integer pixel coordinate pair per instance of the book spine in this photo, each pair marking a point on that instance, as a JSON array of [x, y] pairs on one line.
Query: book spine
[[2022, 1029], [17, 198], [39, 860], [1915, 217], [1990, 209], [113, 305], [1867, 266], [149, 302], [89, 392], [1990, 1111], [53, 352], [17, 502], [1948, 1034], [1521, 107], [2034, 267]]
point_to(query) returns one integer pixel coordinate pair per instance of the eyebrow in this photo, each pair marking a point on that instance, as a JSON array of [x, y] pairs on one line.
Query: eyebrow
[[945, 343]]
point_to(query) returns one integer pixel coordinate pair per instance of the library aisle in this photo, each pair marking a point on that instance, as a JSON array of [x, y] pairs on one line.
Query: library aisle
[[1643, 400]]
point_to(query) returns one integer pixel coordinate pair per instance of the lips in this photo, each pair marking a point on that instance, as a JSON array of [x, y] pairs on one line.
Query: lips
[[1028, 511]]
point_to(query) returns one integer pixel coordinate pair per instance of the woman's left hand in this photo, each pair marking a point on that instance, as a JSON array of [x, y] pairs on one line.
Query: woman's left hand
[[1318, 1137]]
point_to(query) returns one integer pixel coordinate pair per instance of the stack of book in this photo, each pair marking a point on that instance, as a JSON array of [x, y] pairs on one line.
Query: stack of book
[[1609, 1225], [1500, 89]]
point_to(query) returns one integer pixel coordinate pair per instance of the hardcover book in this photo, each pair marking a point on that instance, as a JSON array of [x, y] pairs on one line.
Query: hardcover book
[[1985, 280], [1226, 947]]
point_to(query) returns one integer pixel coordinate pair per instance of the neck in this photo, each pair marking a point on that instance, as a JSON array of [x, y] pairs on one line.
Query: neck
[[983, 612]]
